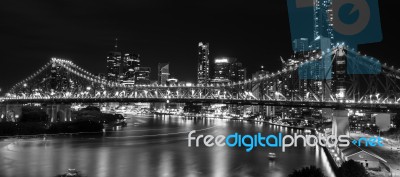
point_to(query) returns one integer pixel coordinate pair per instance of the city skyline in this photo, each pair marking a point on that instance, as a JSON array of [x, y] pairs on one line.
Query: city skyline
[[253, 41], [189, 88], [125, 68]]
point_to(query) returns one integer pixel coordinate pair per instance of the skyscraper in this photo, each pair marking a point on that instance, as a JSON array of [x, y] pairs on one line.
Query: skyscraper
[[221, 70], [122, 68], [163, 73], [113, 65], [142, 75], [203, 64], [237, 72], [228, 70], [340, 75], [242, 74], [129, 63], [300, 45], [323, 19]]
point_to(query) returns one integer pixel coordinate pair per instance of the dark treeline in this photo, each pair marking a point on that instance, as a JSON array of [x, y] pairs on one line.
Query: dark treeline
[[34, 120], [35, 128], [349, 168]]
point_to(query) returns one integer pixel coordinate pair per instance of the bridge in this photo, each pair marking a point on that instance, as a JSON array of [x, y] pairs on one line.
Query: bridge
[[61, 82]]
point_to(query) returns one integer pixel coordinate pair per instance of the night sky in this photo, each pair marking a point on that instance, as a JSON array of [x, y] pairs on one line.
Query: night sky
[[31, 32]]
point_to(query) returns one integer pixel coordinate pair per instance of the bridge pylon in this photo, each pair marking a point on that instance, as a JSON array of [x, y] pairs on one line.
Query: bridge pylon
[[340, 123]]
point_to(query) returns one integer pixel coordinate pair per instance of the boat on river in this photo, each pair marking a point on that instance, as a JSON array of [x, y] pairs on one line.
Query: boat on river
[[271, 155], [71, 173]]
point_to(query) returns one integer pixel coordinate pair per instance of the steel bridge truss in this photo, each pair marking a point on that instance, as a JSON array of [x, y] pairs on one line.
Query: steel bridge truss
[[62, 79]]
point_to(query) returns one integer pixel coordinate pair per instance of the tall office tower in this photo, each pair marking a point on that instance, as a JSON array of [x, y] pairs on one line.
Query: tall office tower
[[163, 73], [237, 72], [323, 25], [203, 64], [242, 74], [142, 75], [301, 45], [222, 68], [323, 38], [323, 19], [114, 64], [339, 70], [130, 62]]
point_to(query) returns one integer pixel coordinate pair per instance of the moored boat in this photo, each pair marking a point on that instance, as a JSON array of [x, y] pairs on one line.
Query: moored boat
[[271, 155], [71, 173]]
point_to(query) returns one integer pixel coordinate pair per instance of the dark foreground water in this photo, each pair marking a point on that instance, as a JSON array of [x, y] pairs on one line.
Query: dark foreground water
[[153, 146]]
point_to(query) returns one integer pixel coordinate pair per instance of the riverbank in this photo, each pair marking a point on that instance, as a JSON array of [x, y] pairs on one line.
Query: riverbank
[[250, 120], [331, 159], [390, 152], [294, 127]]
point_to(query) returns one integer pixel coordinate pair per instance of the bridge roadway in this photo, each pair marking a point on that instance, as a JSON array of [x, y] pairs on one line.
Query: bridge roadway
[[285, 103]]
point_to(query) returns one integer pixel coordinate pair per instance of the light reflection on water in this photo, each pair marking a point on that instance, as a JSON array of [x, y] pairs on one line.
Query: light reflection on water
[[152, 146]]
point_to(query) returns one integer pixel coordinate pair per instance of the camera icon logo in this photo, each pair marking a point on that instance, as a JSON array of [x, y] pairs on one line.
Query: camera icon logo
[[324, 24]]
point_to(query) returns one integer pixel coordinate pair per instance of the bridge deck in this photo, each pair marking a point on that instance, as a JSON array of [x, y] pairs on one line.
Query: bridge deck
[[316, 104]]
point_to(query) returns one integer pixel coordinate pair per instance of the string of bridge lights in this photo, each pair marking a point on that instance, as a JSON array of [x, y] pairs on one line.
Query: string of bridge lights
[[32, 76], [80, 72], [70, 63], [296, 66]]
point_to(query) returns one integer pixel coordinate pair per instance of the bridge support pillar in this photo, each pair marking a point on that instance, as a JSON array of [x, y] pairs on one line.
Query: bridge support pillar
[[382, 120], [68, 113], [48, 112], [340, 123], [10, 112], [59, 112], [270, 111], [51, 112], [261, 111], [2, 112]]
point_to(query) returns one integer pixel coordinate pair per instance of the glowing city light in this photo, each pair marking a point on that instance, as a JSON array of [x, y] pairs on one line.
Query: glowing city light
[[222, 60]]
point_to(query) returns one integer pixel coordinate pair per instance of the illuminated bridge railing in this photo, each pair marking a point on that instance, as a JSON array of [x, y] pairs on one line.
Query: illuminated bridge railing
[[283, 87], [382, 105]]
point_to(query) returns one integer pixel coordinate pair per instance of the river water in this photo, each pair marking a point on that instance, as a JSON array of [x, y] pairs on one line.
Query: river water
[[152, 146]]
